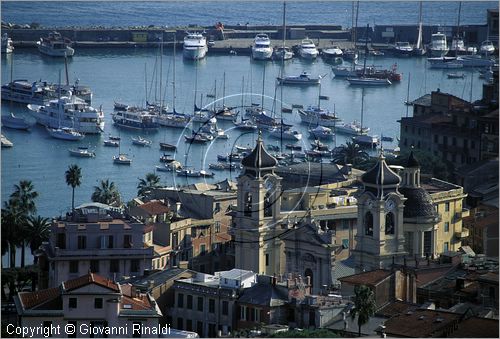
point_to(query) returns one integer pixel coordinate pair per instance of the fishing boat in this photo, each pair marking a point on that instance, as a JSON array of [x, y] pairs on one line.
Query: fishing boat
[[82, 152], [7, 45], [140, 141], [303, 79], [308, 50], [167, 147], [55, 45], [438, 46], [456, 75], [195, 46], [368, 81], [6, 142], [285, 133], [261, 49], [122, 159], [487, 47], [353, 128], [111, 143], [136, 120], [65, 133], [322, 133], [11, 121], [402, 49], [69, 111]]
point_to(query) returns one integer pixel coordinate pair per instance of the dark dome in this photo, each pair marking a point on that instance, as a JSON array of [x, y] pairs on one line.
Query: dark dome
[[381, 175], [412, 162], [259, 158], [418, 204]]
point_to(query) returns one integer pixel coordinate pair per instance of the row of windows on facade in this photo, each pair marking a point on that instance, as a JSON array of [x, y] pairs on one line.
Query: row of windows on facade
[[427, 243], [197, 231], [114, 265], [103, 242], [199, 327], [200, 304]]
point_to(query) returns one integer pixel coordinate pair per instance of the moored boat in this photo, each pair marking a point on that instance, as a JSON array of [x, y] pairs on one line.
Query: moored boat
[[368, 81], [195, 46], [402, 48], [55, 45], [140, 141], [82, 152], [11, 121], [167, 147], [7, 45], [353, 128], [308, 50], [438, 46], [135, 120], [322, 133], [65, 133], [282, 53], [111, 143], [122, 159], [261, 49], [6, 142], [314, 115], [303, 79]]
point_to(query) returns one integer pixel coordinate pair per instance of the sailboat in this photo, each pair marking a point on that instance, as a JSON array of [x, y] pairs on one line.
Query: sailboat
[[173, 118], [121, 158], [363, 80], [419, 49], [283, 52], [364, 139], [457, 43]]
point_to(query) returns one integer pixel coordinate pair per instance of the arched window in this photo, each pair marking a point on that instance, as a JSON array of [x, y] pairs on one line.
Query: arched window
[[389, 223], [268, 206], [247, 210], [368, 224]]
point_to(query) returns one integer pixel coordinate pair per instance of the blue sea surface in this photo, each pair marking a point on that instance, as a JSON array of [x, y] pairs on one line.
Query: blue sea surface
[[206, 13]]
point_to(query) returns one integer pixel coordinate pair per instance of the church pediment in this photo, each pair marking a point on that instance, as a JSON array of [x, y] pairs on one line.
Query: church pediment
[[305, 234]]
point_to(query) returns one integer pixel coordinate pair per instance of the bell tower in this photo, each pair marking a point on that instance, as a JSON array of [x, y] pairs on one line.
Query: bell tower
[[380, 237], [257, 243]]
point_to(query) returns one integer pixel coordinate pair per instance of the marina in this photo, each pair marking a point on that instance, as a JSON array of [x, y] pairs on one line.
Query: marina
[[117, 74]]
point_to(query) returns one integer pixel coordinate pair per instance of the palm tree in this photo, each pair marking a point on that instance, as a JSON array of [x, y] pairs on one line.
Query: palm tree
[[23, 197], [73, 179], [350, 153], [364, 305], [11, 237], [145, 185], [106, 193], [38, 231]]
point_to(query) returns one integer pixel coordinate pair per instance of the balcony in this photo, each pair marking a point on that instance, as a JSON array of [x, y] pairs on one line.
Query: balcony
[[463, 234], [465, 212]]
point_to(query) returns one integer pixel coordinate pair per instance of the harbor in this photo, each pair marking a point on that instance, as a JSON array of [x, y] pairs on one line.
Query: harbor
[[119, 69]]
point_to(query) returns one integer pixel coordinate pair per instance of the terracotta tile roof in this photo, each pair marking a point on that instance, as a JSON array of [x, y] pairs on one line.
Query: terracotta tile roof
[[421, 324], [476, 327], [90, 278], [33, 299], [154, 207], [426, 276], [366, 278], [138, 303]]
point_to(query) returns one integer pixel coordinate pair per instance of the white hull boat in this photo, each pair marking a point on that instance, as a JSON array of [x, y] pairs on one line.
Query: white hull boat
[[55, 45], [261, 49], [318, 116], [65, 133], [195, 46], [82, 152], [11, 121], [302, 79], [7, 45], [308, 50], [121, 159], [365, 81], [321, 133]]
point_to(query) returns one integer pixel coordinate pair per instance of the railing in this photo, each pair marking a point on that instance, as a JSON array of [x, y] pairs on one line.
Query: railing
[[462, 234]]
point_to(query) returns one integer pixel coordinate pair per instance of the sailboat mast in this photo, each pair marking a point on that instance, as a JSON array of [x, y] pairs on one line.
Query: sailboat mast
[[263, 83], [419, 38], [66, 68], [161, 72], [282, 75], [362, 109], [215, 95], [195, 86], [242, 96], [173, 85], [366, 49], [408, 94], [146, 83], [319, 95], [458, 20], [223, 89]]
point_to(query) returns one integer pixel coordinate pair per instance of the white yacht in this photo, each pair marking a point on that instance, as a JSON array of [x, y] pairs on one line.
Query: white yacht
[[7, 46], [261, 49], [353, 128], [286, 134], [302, 79], [55, 45], [65, 133], [308, 50], [70, 112], [438, 46], [332, 53], [445, 62], [195, 46], [458, 46], [321, 133], [139, 119], [475, 60]]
